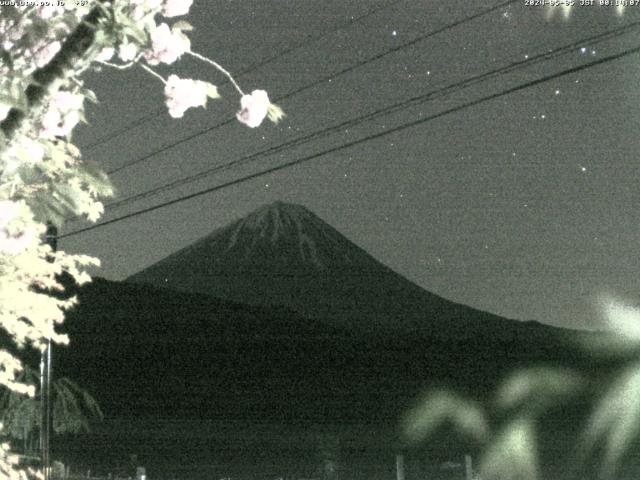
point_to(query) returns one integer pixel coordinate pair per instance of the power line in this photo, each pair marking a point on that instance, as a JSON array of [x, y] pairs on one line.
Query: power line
[[308, 41], [317, 82], [451, 88], [365, 139]]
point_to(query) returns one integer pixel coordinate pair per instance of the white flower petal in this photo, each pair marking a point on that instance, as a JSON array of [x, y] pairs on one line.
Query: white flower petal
[[175, 8], [182, 94], [254, 108]]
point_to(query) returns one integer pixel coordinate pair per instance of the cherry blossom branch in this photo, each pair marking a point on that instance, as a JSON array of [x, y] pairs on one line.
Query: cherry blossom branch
[[48, 78], [155, 74], [124, 66], [211, 62]]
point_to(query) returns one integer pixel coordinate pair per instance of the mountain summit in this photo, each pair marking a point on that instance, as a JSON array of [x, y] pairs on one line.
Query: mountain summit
[[283, 254]]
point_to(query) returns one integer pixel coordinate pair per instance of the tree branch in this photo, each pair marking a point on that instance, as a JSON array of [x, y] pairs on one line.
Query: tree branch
[[48, 78]]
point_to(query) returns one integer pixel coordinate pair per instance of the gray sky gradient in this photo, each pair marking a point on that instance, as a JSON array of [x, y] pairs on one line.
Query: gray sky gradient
[[525, 206]]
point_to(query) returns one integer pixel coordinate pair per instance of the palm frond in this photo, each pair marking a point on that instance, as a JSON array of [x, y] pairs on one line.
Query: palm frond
[[440, 407], [512, 455]]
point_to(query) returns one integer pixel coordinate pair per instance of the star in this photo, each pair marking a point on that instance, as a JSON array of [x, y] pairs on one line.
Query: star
[[557, 92], [583, 50], [394, 33], [584, 169]]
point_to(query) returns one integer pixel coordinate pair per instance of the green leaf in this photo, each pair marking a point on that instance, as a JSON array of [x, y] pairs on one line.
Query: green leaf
[[275, 113], [90, 95], [182, 25], [212, 90]]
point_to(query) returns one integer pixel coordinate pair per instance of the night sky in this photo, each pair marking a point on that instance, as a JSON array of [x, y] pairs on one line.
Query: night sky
[[525, 205]]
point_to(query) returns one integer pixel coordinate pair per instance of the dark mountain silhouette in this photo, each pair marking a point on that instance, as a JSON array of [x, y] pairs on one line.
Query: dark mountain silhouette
[[163, 362], [151, 352], [283, 254]]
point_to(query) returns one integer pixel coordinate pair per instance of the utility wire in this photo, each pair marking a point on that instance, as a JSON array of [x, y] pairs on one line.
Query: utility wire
[[448, 89], [308, 41], [365, 139], [317, 82]]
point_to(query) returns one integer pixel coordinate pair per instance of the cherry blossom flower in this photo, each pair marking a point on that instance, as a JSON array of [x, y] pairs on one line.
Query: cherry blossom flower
[[49, 11], [29, 152], [127, 52], [11, 32], [182, 94], [105, 54], [35, 152], [148, 4], [67, 101], [62, 114], [12, 242], [166, 45], [55, 124], [254, 108], [4, 110], [144, 7], [175, 8]]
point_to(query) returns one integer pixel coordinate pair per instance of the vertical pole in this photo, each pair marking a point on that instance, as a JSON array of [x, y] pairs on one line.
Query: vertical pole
[[400, 467], [468, 467], [43, 358], [45, 380], [48, 413]]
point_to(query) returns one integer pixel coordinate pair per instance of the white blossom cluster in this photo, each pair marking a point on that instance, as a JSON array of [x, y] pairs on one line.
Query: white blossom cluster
[[160, 43], [43, 177]]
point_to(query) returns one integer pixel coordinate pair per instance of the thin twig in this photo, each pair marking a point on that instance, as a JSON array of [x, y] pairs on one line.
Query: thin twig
[[124, 66], [157, 75], [211, 62]]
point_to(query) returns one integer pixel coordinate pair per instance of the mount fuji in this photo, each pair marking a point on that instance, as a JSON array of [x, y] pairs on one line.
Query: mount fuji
[[283, 254]]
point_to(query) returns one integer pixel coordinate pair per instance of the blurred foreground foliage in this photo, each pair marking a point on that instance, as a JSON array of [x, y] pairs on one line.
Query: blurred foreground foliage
[[548, 421]]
